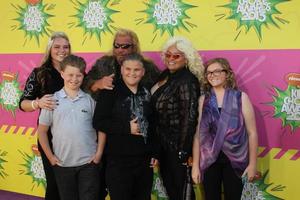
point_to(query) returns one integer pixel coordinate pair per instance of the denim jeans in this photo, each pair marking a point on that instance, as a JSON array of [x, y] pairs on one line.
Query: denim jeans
[[78, 183]]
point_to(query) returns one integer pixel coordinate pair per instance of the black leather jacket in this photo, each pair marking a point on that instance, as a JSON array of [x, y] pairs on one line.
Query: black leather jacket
[[176, 110]]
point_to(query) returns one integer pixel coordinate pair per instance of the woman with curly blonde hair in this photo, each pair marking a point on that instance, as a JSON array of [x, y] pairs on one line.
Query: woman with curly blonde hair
[[175, 104], [193, 60]]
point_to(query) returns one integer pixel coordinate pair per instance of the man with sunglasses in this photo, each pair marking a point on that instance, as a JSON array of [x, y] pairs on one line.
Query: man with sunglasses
[[106, 70]]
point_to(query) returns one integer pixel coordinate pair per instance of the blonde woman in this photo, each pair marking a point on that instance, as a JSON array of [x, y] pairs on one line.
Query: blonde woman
[[40, 85], [175, 103]]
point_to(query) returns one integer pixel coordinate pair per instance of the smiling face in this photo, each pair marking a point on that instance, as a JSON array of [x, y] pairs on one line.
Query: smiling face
[[216, 75], [72, 77], [132, 72], [59, 50], [174, 59]]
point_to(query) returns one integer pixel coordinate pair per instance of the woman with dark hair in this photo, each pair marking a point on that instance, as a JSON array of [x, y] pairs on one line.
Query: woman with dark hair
[[40, 85], [226, 144]]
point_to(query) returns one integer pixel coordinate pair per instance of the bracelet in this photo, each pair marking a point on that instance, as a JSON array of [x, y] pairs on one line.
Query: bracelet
[[32, 105]]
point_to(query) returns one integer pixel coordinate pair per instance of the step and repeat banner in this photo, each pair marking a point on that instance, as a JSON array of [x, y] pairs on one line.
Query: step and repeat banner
[[259, 37]]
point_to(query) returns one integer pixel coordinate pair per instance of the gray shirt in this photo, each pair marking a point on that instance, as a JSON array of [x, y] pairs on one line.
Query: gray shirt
[[74, 138]]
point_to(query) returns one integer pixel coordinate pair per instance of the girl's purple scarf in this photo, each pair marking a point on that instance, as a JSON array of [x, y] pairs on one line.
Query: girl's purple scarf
[[223, 131]]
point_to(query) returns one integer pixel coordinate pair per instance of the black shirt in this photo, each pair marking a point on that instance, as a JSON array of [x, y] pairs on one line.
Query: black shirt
[[113, 113], [52, 82], [175, 106]]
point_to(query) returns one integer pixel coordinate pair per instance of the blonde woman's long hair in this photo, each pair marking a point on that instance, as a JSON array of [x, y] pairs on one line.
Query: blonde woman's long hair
[[54, 35], [46, 63]]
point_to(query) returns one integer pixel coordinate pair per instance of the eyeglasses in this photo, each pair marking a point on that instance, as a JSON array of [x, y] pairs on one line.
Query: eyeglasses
[[216, 72], [173, 56], [122, 46]]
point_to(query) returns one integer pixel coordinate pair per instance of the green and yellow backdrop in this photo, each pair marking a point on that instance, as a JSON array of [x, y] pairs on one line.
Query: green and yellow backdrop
[[259, 37]]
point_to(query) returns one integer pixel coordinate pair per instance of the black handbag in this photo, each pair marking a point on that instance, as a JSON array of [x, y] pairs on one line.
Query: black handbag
[[188, 185]]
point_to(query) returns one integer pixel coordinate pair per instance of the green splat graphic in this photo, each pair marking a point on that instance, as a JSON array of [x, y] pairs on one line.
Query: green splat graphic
[[33, 20], [33, 167], [167, 16], [10, 95], [254, 14], [258, 189], [94, 17], [3, 154], [287, 106]]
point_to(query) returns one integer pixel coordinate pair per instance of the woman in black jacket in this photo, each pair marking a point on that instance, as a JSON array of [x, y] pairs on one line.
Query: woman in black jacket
[[40, 85], [175, 101]]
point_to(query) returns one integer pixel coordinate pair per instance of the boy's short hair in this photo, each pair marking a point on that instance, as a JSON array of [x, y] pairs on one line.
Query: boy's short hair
[[134, 57], [74, 61]]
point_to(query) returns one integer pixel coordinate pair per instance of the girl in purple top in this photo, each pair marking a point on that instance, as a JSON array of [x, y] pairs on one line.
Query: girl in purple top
[[226, 146]]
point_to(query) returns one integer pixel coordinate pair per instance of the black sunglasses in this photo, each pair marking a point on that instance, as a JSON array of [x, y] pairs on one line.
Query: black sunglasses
[[122, 46]]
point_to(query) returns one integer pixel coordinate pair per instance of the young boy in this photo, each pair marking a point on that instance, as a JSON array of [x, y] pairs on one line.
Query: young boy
[[75, 153], [123, 115]]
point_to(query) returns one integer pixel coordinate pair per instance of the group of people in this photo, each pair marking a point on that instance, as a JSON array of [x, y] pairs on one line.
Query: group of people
[[103, 132]]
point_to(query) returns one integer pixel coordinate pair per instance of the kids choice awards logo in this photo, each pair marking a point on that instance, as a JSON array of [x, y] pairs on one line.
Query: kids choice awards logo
[[33, 19], [287, 102], [254, 14], [33, 167], [260, 189], [167, 16], [94, 17], [10, 92]]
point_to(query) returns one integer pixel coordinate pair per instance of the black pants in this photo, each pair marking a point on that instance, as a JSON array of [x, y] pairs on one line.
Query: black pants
[[51, 192], [78, 183], [173, 174], [129, 177], [102, 183], [222, 172]]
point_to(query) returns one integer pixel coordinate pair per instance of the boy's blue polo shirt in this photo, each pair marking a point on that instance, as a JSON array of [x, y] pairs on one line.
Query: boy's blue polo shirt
[[74, 138]]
